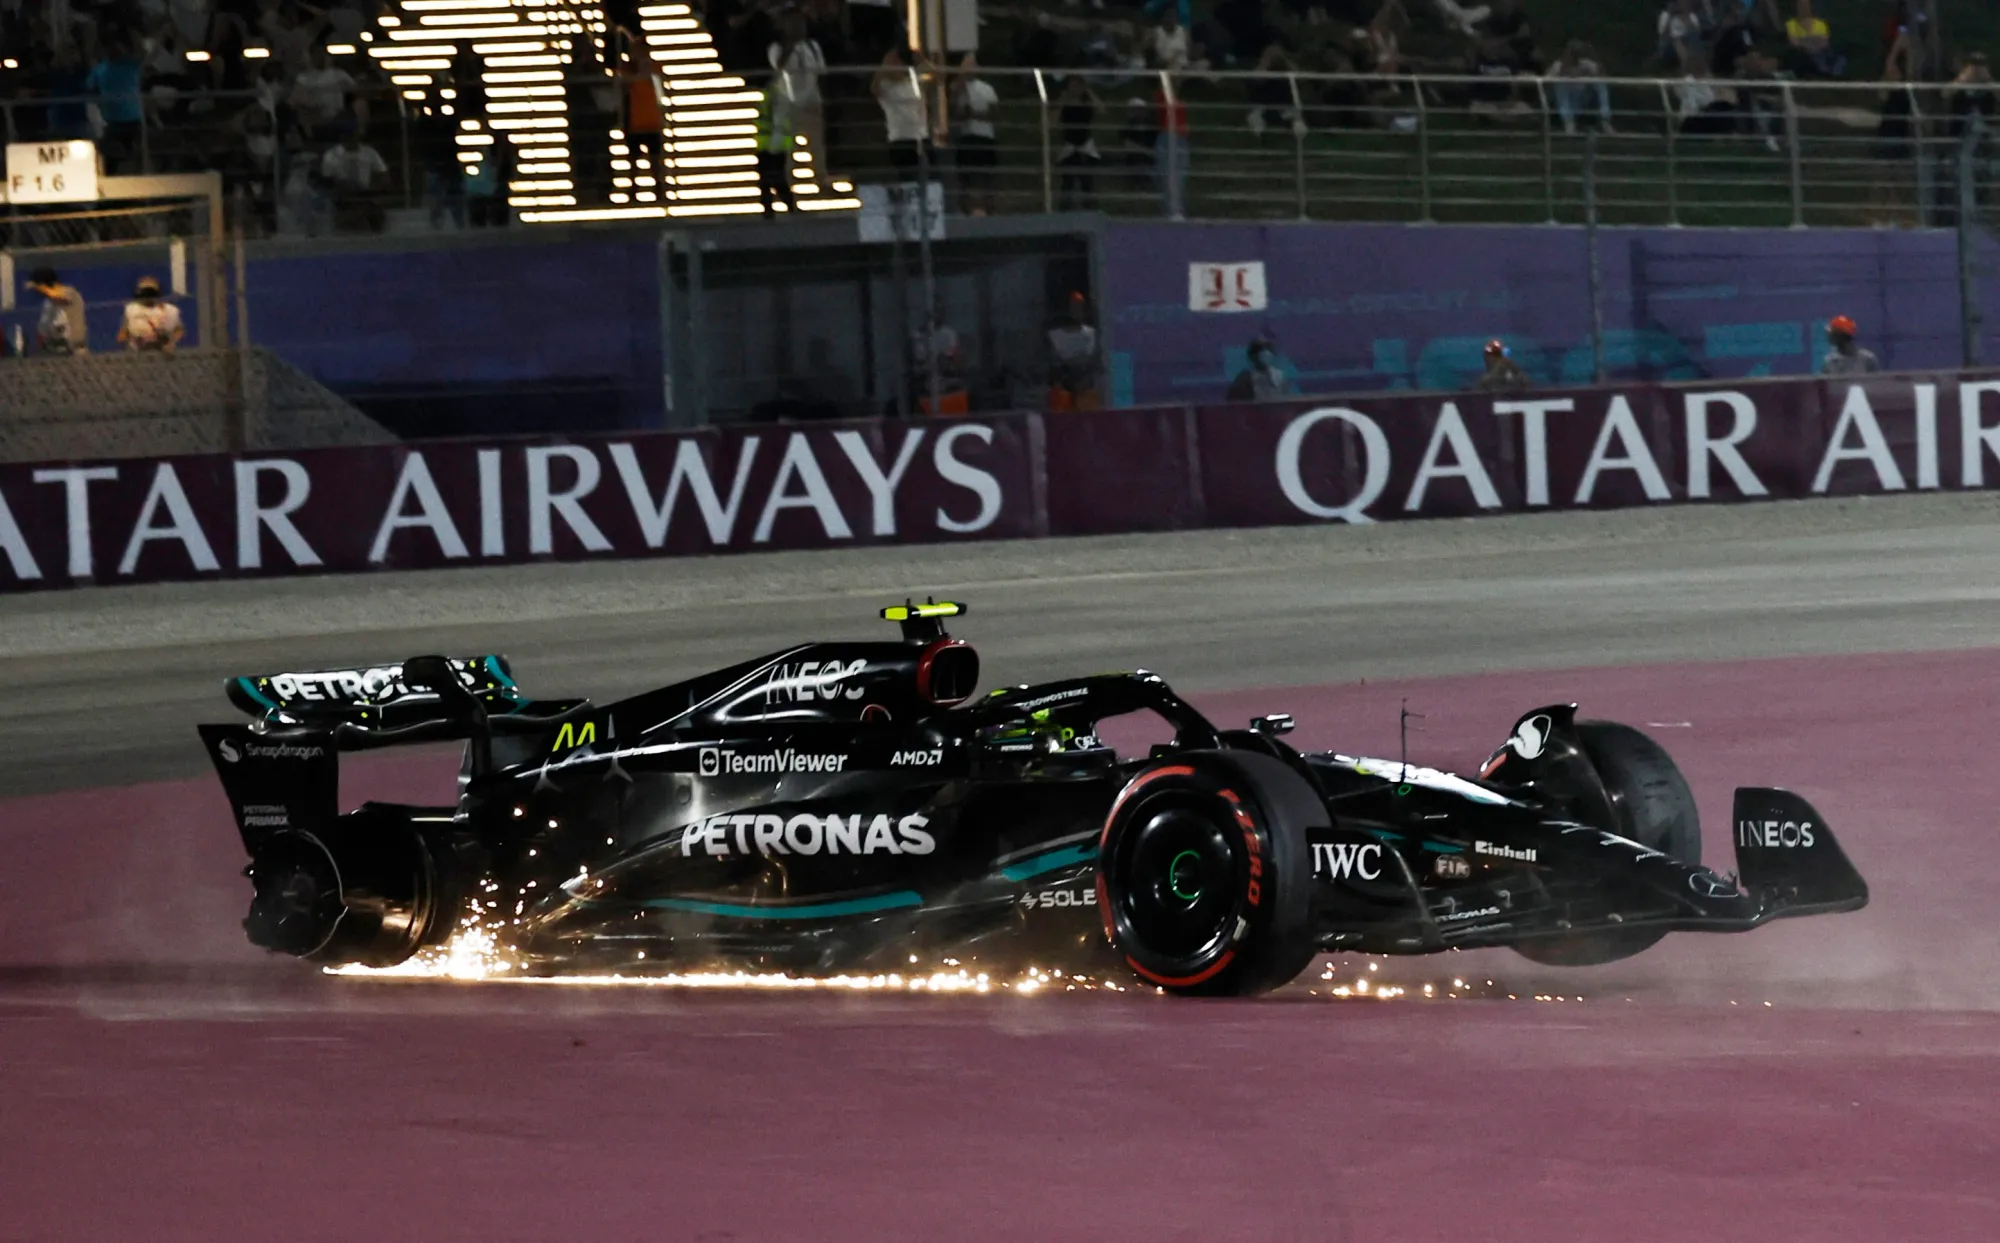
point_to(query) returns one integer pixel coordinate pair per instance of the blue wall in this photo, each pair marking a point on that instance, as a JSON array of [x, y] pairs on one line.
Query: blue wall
[[1360, 307], [505, 337], [525, 335]]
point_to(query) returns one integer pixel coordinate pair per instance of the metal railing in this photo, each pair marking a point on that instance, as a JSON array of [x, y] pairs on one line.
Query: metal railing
[[1242, 146]]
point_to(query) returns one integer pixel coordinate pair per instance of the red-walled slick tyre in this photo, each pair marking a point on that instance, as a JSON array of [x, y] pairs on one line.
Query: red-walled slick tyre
[[1204, 876]]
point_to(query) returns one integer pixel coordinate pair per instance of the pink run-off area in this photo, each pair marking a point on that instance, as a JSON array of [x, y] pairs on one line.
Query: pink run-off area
[[160, 1080]]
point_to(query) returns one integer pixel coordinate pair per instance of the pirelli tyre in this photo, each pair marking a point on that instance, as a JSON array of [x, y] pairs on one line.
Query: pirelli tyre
[[1652, 805], [1204, 878]]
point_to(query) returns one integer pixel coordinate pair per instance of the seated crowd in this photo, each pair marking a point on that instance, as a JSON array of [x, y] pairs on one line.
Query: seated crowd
[[310, 135]]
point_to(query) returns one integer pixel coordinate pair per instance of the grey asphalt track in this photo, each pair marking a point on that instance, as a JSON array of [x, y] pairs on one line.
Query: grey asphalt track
[[1819, 1080], [103, 685]]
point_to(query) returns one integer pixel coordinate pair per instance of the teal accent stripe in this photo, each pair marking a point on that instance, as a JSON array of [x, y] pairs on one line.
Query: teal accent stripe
[[1443, 849], [901, 898], [1049, 861], [250, 689]]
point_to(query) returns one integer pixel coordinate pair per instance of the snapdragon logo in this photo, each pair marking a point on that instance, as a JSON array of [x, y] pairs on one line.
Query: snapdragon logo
[[269, 751], [807, 834]]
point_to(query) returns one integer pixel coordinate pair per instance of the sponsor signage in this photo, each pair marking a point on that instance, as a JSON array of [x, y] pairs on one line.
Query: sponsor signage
[[1227, 287], [1778, 834], [1347, 860], [429, 504], [808, 834], [52, 172]]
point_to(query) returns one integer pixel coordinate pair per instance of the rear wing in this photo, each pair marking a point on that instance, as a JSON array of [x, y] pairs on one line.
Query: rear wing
[[373, 697]]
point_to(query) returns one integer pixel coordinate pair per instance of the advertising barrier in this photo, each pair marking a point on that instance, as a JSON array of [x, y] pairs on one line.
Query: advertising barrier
[[444, 503]]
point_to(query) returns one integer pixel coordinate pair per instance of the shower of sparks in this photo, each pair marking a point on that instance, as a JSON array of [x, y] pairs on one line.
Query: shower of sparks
[[476, 953]]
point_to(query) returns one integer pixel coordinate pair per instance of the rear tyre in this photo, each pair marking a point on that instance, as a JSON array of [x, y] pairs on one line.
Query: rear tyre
[[1204, 877], [1652, 805], [365, 892]]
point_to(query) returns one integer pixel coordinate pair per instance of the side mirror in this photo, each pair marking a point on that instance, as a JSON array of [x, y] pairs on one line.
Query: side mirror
[[1273, 725]]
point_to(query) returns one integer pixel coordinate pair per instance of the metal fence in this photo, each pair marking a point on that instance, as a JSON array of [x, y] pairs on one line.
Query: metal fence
[[1217, 145]]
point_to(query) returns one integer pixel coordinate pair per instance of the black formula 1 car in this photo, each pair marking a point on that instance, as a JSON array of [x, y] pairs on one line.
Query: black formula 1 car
[[851, 806]]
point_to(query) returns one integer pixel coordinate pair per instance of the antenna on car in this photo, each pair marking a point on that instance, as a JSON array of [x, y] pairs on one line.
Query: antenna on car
[[1403, 743], [923, 623]]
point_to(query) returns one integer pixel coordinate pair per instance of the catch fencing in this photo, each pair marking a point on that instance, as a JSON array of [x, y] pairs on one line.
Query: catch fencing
[[437, 504], [1256, 146]]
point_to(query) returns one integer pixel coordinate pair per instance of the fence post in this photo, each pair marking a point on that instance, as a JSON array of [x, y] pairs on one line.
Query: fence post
[[1048, 163], [1968, 240], [1792, 155], [1548, 151], [1670, 115], [1423, 155], [145, 139], [1298, 143], [1176, 188], [403, 137], [1919, 161], [1596, 266]]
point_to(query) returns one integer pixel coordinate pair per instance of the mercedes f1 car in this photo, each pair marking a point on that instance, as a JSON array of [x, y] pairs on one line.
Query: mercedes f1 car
[[852, 806]]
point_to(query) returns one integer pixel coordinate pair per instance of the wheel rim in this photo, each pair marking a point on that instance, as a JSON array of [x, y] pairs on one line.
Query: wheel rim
[[1178, 869]]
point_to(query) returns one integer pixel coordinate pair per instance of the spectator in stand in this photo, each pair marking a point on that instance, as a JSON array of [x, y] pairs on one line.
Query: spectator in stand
[[356, 173], [1971, 95], [1895, 139], [1171, 156], [897, 91], [1683, 39], [1846, 357], [874, 27], [800, 63], [1734, 40], [774, 151], [1502, 373], [1573, 96], [319, 96], [1167, 45], [1076, 124], [289, 32], [1262, 379], [1812, 54], [1510, 25], [1138, 139], [975, 106], [61, 328], [1074, 362], [115, 80], [1495, 65], [253, 168], [1465, 19], [67, 83], [1704, 107], [1271, 96], [151, 323]]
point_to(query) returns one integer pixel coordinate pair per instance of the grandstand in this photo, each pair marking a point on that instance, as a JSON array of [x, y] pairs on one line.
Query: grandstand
[[482, 111]]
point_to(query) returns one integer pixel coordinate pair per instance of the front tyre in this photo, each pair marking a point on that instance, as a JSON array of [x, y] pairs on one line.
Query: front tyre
[[1650, 804], [1204, 877]]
